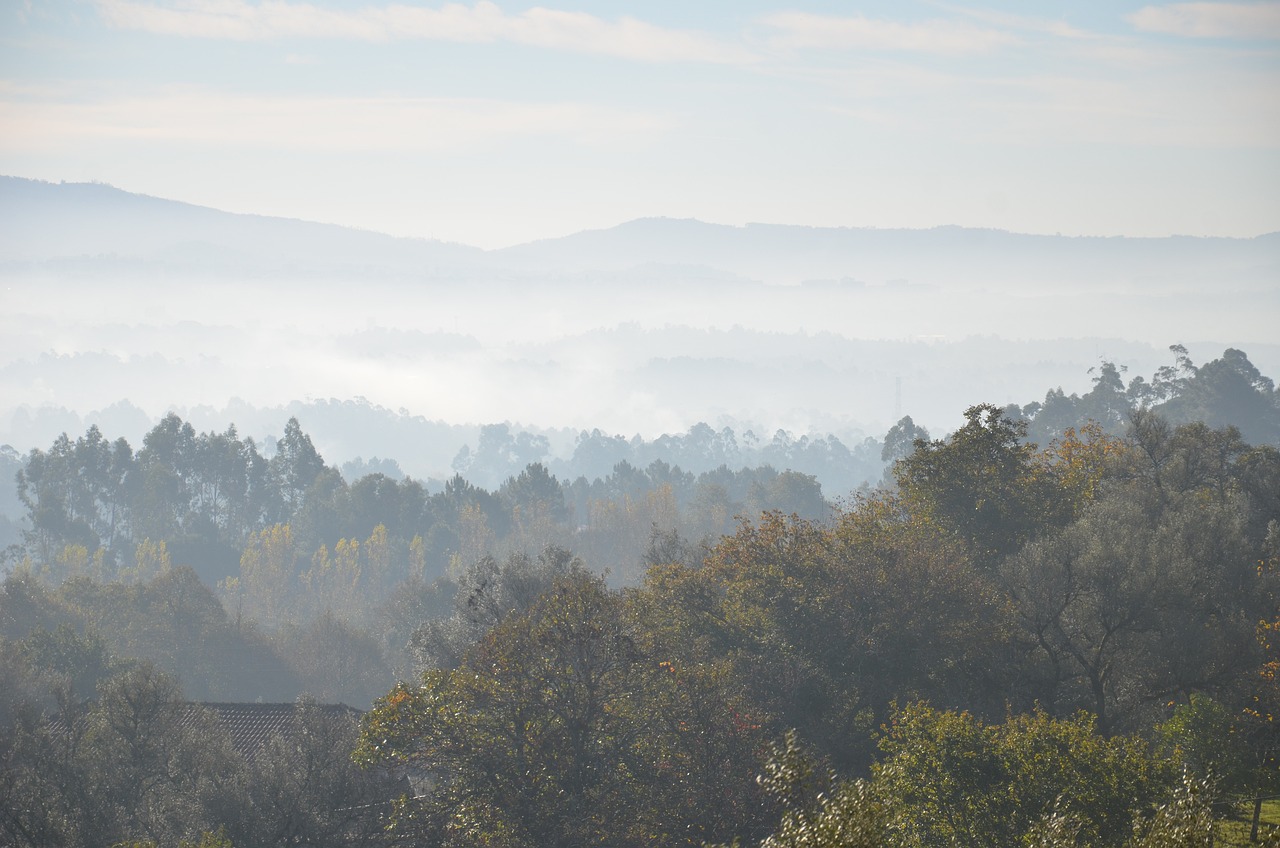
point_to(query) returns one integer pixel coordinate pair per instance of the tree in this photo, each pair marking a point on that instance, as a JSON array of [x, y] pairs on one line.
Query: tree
[[304, 788], [1237, 749], [982, 483], [376, 499], [789, 492], [499, 454], [824, 626], [1108, 403], [167, 464], [1106, 406], [268, 572], [487, 593], [222, 483], [954, 780], [294, 468], [917, 617], [140, 766], [334, 661], [77, 494], [1153, 591], [1229, 391], [548, 733], [595, 454], [75, 662], [901, 440], [820, 811], [537, 506]]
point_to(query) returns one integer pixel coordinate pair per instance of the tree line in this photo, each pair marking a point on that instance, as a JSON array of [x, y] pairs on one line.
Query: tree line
[[97, 506], [1017, 643], [1059, 644], [1014, 643]]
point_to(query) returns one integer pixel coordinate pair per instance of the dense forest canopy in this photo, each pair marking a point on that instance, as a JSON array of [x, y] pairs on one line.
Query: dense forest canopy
[[1053, 626]]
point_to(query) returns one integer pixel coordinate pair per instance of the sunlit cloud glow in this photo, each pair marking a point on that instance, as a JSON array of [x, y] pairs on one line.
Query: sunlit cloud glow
[[1211, 20], [801, 30], [483, 22], [1026, 23]]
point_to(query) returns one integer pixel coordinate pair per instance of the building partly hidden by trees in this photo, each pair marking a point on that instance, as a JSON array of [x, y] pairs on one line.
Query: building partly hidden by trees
[[1058, 644], [137, 765], [1017, 646]]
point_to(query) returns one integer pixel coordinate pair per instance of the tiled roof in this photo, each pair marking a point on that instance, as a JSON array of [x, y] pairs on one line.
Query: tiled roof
[[253, 725]]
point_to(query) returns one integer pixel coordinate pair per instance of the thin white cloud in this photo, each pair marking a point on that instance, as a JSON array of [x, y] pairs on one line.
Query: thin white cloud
[[483, 22], [1026, 23], [801, 30], [1250, 21], [380, 124]]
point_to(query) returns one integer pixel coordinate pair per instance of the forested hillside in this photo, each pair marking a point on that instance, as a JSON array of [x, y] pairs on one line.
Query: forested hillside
[[495, 424], [1053, 626]]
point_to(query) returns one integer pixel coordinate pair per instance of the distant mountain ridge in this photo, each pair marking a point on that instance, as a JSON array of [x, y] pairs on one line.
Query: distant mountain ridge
[[792, 253], [641, 328], [43, 222]]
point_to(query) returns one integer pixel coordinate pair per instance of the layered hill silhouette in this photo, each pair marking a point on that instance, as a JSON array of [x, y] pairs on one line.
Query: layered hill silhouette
[[117, 307], [44, 222]]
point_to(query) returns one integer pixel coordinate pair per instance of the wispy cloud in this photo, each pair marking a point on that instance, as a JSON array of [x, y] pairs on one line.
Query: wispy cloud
[[483, 22], [1211, 20], [945, 37], [1026, 23], [197, 116]]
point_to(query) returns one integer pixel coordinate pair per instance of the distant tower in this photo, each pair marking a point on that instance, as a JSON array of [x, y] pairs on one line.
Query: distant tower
[[897, 399]]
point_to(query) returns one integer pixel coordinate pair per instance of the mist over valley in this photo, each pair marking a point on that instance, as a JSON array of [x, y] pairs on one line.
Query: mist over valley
[[120, 307], [765, 424]]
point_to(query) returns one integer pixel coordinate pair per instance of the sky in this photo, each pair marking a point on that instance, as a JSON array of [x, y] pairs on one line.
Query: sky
[[495, 123]]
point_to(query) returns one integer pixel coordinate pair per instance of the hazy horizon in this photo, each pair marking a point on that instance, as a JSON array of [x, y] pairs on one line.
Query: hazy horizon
[[496, 124], [587, 141], [642, 329], [607, 225]]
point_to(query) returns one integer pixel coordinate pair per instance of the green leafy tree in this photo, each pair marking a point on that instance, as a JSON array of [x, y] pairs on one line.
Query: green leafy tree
[[77, 493], [294, 468], [487, 593], [982, 483], [825, 626], [901, 440], [1185, 820], [499, 454], [304, 789], [1152, 592], [68, 660], [167, 463], [954, 780], [1233, 748], [790, 493], [1229, 391], [269, 569], [548, 733], [400, 505], [334, 661], [820, 811]]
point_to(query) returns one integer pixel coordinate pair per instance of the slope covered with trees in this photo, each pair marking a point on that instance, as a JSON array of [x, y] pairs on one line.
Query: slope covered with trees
[[1059, 643]]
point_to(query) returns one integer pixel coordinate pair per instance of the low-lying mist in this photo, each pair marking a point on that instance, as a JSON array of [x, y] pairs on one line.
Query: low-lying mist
[[645, 329]]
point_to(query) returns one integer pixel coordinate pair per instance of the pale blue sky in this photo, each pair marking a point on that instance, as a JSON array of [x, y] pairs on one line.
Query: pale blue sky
[[493, 123]]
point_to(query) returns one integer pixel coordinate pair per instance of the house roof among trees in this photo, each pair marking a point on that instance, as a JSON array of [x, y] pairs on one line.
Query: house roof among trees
[[253, 725]]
